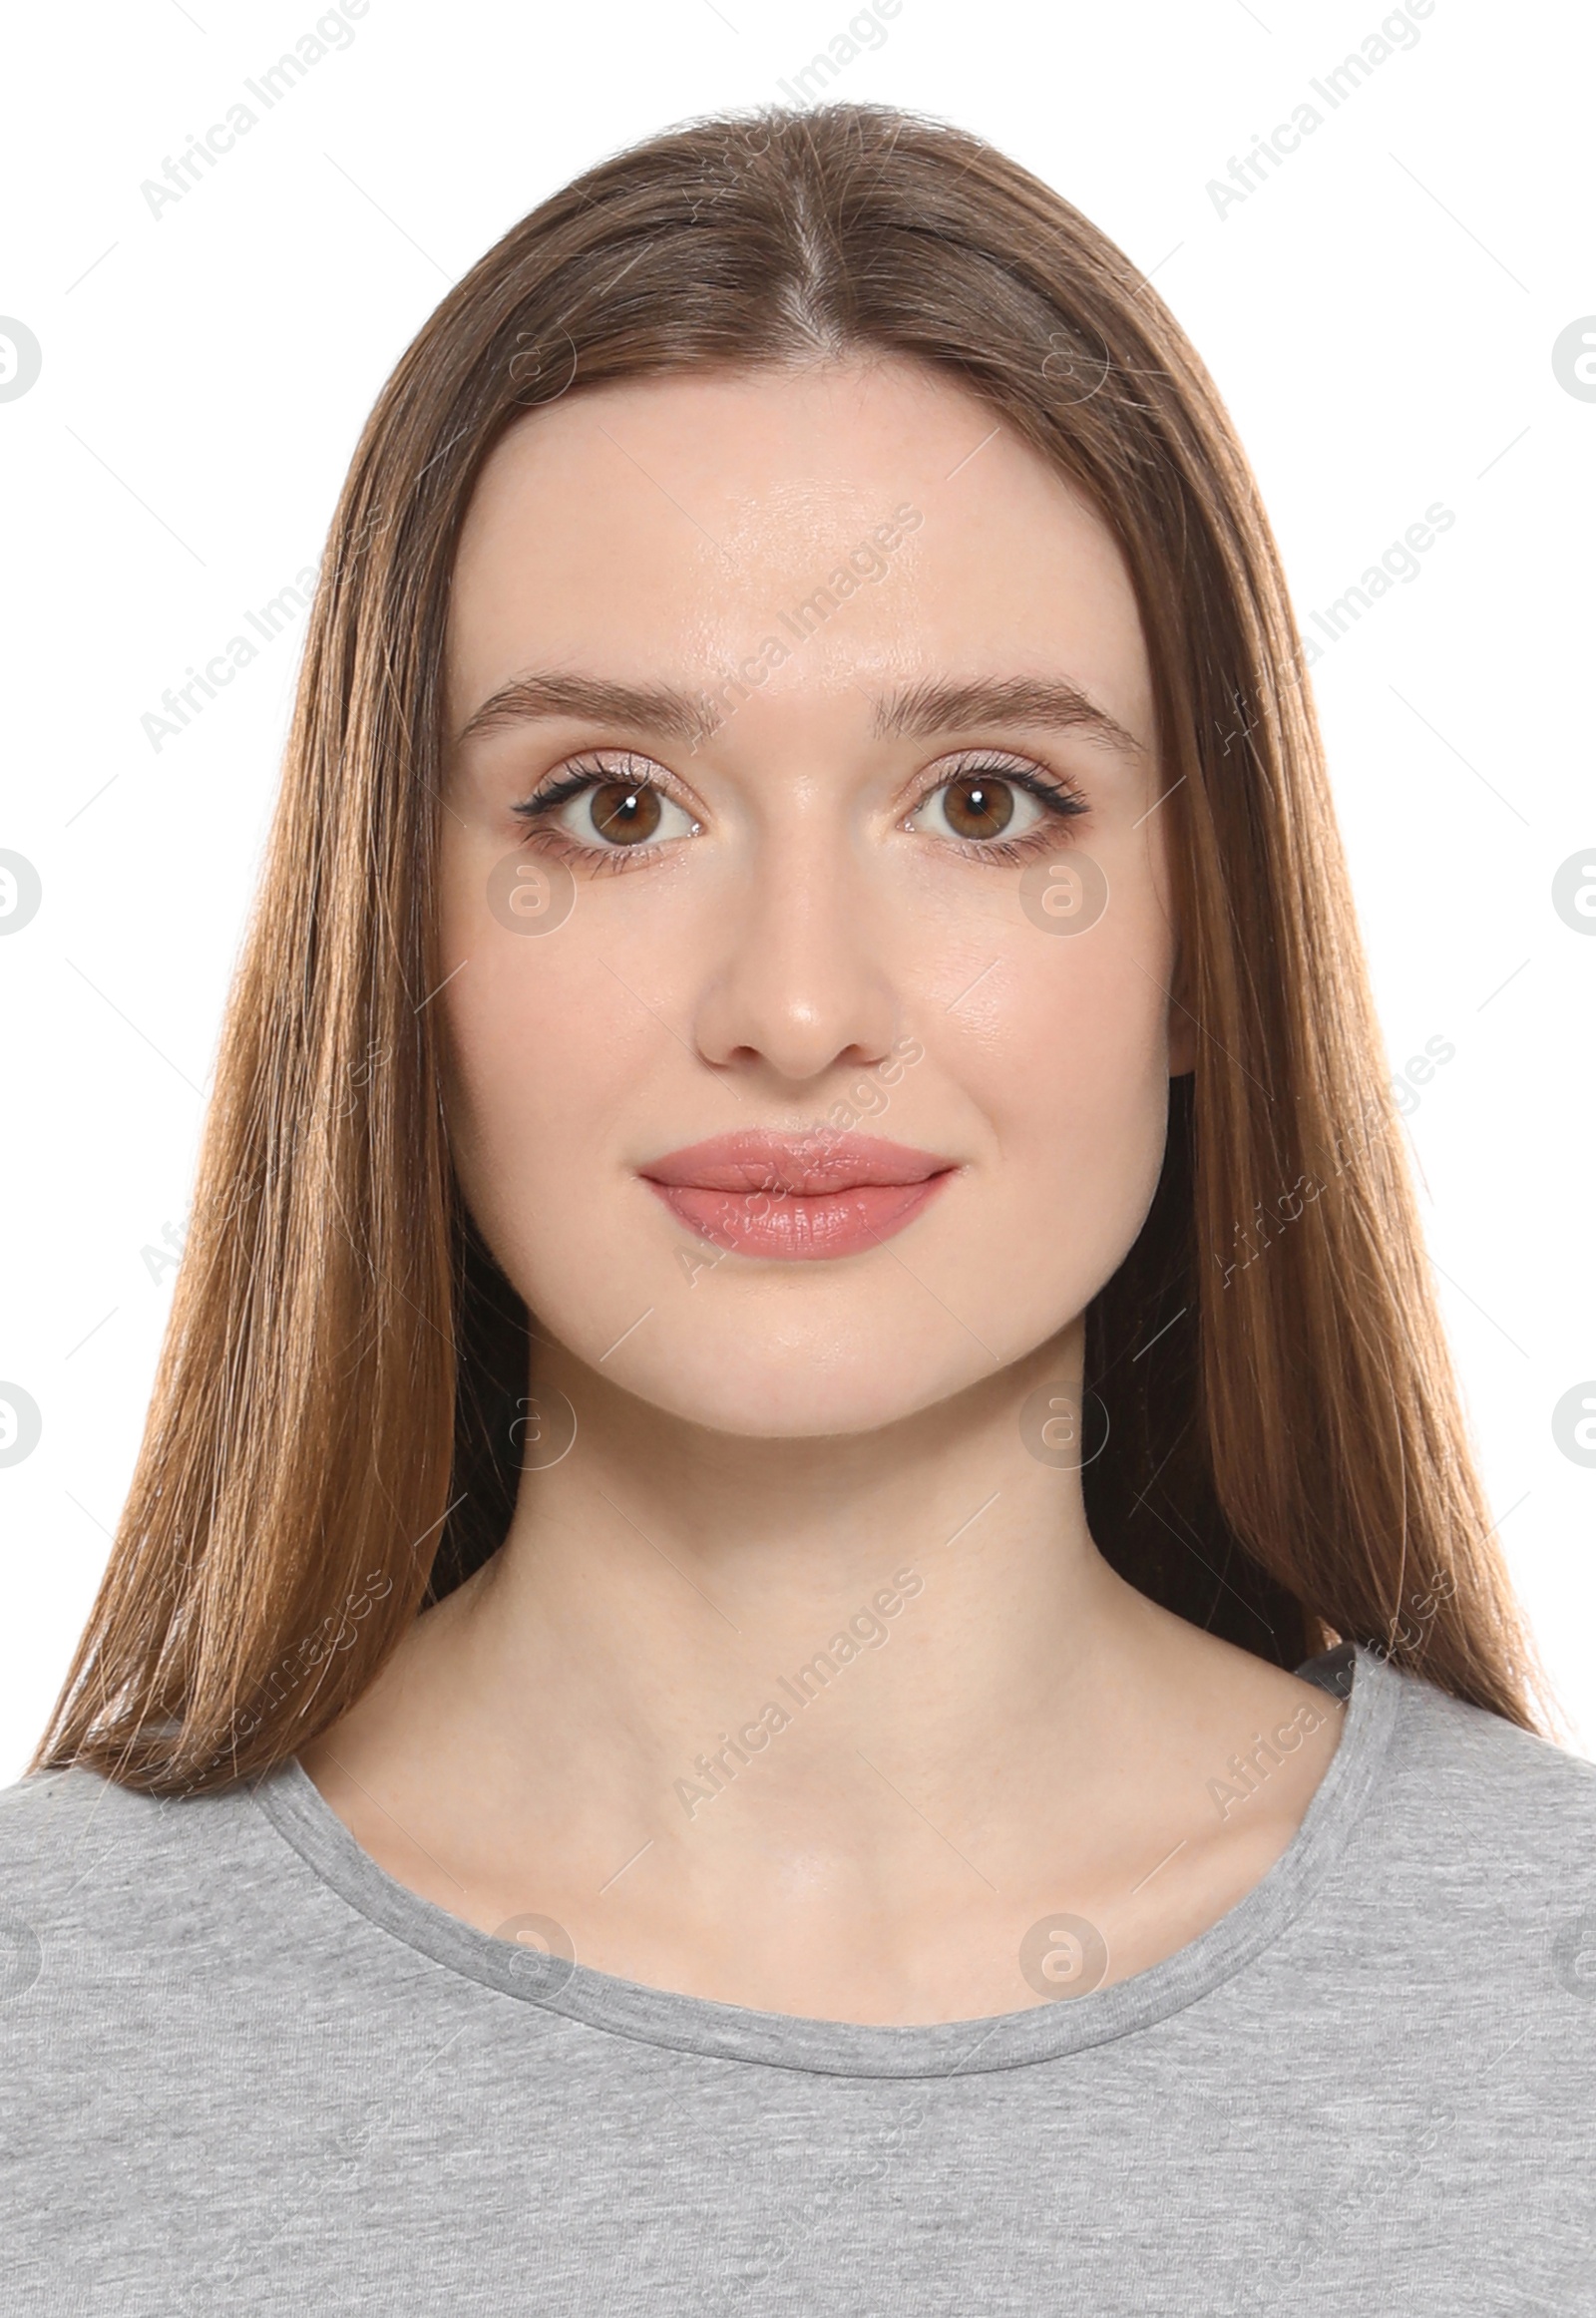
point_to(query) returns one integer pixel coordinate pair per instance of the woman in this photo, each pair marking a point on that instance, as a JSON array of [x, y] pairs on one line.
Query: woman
[[805, 1624]]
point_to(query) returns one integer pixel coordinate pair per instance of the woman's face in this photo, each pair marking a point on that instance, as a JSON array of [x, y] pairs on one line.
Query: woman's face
[[803, 893]]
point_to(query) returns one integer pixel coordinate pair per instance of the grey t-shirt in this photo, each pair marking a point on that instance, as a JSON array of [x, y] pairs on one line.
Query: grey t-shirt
[[246, 2072]]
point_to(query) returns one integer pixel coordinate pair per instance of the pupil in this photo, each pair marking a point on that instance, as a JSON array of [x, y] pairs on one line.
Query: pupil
[[980, 808], [625, 812]]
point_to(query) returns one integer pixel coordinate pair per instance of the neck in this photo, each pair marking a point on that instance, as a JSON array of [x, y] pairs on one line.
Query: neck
[[789, 1692], [662, 1585]]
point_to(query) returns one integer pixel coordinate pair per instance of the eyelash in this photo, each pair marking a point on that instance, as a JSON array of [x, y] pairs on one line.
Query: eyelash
[[1060, 800], [586, 773]]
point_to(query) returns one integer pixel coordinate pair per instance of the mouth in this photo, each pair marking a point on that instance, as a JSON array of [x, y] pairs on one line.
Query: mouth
[[796, 1197]]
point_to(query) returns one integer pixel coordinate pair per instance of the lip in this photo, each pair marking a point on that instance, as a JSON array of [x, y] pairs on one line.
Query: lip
[[796, 1197]]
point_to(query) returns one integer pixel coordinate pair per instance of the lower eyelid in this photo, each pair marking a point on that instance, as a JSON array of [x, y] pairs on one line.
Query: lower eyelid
[[1051, 805], [541, 813]]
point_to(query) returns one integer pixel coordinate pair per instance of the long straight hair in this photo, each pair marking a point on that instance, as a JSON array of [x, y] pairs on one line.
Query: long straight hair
[[332, 1442]]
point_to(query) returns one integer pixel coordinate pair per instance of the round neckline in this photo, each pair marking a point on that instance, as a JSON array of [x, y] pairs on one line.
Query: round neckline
[[293, 1804]]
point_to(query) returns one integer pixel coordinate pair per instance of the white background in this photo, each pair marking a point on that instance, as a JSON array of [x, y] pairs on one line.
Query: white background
[[1380, 317]]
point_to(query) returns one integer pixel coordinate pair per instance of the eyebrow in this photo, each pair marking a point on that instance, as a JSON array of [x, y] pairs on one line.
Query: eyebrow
[[656, 707], [918, 710], [913, 711]]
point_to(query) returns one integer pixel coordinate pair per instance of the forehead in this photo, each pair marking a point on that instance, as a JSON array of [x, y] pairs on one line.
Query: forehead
[[680, 521]]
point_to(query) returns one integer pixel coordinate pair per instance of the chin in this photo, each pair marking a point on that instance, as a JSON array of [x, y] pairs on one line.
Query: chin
[[786, 1390]]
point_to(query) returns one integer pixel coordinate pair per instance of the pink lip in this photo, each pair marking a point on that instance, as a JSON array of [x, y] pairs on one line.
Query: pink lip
[[796, 1197]]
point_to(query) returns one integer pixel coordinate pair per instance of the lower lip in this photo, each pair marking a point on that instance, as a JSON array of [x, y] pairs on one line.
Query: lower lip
[[795, 1227]]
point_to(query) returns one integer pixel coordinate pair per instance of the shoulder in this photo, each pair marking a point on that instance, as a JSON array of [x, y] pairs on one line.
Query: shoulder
[[50, 1818], [1485, 1776], [1488, 1819], [82, 1855], [47, 1818]]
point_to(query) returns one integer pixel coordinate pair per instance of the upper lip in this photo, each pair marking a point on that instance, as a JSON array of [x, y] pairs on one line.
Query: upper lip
[[816, 1162]]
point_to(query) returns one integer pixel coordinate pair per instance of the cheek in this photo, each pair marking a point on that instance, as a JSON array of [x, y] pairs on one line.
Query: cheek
[[543, 1051], [1071, 1064]]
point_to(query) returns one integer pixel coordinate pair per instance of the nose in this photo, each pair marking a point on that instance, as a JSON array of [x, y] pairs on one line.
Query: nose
[[800, 986]]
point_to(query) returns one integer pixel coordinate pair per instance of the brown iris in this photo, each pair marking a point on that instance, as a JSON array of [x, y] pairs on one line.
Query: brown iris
[[979, 805], [625, 811]]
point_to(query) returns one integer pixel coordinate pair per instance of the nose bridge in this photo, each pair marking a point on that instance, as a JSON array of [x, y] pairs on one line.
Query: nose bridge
[[802, 980]]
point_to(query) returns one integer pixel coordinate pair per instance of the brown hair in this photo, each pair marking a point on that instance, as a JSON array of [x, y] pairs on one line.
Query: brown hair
[[330, 1444]]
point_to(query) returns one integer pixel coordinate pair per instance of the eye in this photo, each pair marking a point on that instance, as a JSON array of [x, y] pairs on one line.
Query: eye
[[607, 808], [994, 806], [622, 812]]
